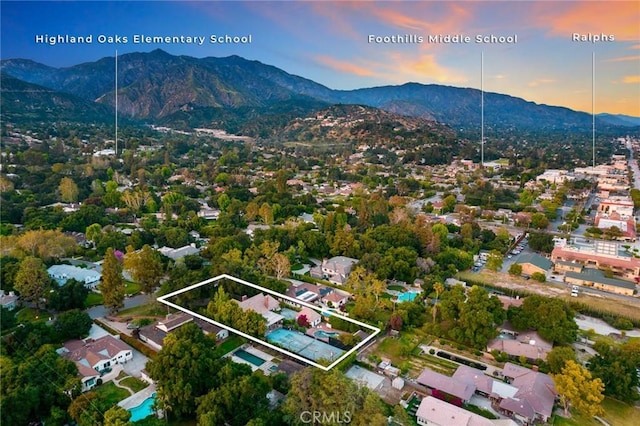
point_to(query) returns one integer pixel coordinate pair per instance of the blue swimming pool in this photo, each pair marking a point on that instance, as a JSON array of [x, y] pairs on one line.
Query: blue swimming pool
[[408, 296], [326, 334], [143, 410], [249, 357]]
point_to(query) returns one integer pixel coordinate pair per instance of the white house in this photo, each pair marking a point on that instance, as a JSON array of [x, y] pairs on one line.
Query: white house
[[93, 357], [8, 301], [63, 273], [336, 269], [313, 317]]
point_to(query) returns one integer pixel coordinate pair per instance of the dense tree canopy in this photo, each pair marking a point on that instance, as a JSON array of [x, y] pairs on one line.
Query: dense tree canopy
[[552, 318]]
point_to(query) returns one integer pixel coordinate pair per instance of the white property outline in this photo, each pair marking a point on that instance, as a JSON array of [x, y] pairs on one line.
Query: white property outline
[[163, 299]]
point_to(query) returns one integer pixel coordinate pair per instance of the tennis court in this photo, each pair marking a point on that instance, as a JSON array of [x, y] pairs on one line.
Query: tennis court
[[304, 345]]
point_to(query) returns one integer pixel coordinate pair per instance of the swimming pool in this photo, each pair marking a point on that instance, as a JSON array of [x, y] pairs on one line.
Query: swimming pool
[[408, 296], [249, 357], [143, 410], [326, 334]]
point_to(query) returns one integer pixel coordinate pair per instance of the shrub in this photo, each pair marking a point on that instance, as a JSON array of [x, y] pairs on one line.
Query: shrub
[[432, 351], [539, 276], [623, 324]]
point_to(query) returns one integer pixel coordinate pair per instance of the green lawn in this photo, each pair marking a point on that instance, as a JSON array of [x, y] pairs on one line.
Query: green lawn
[[29, 315], [616, 413], [234, 341], [111, 394], [131, 288], [135, 384], [93, 299], [153, 309], [396, 287]]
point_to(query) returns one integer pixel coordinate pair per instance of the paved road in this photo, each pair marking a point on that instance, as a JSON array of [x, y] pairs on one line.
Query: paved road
[[130, 302]]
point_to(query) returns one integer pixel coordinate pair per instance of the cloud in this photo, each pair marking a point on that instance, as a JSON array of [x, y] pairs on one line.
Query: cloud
[[344, 66], [540, 81], [563, 19], [425, 67], [631, 79], [624, 58], [440, 17]]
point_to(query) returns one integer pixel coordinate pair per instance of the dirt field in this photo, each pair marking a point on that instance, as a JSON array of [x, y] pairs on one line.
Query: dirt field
[[613, 304]]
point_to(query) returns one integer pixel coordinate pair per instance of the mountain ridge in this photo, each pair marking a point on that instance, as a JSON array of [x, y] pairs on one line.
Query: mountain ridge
[[156, 85]]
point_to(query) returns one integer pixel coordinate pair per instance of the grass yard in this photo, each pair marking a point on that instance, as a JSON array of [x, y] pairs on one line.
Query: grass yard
[[135, 384], [153, 309], [396, 287], [110, 394], [616, 413], [131, 288], [234, 341], [29, 315], [93, 299]]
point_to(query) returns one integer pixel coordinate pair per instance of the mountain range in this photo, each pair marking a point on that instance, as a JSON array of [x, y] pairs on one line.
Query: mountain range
[[232, 91]]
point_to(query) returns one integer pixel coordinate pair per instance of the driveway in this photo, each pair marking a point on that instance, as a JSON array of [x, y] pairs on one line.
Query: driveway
[[136, 365]]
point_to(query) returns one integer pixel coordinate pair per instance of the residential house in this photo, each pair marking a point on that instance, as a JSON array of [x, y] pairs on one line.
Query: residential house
[[266, 306], [63, 273], [179, 253], [95, 357], [435, 412], [442, 386], [154, 334], [336, 269], [535, 396], [313, 317], [528, 344], [8, 300]]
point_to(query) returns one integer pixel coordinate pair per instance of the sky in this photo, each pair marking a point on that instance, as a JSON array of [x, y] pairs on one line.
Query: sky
[[342, 44]]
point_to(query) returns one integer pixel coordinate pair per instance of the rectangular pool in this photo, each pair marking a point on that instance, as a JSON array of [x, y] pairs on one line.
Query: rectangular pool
[[249, 357]]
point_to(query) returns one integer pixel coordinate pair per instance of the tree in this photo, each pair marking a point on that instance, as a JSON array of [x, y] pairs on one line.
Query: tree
[[314, 390], [558, 357], [70, 296], [182, 369], [395, 322], [112, 285], [541, 241], [74, 324], [551, 317], [539, 221], [479, 315], [577, 389], [117, 416], [494, 261], [280, 265], [539, 276], [617, 370], [145, 267], [68, 190], [303, 320], [515, 269], [32, 280], [36, 385], [439, 289], [235, 402], [86, 409]]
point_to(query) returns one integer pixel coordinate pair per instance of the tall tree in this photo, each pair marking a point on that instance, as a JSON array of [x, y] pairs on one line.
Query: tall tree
[[617, 370], [558, 357], [112, 285], [68, 190], [32, 280], [145, 267], [183, 370], [314, 390], [577, 389]]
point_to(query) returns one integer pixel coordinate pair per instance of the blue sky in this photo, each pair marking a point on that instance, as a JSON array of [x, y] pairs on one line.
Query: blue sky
[[327, 41]]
